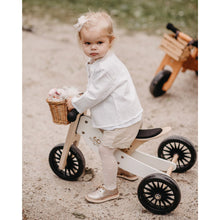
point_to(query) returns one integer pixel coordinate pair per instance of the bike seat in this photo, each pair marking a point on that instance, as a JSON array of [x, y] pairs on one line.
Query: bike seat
[[148, 133]]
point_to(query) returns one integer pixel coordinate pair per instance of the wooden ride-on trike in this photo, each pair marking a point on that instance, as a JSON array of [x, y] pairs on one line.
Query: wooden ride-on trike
[[157, 191], [181, 54]]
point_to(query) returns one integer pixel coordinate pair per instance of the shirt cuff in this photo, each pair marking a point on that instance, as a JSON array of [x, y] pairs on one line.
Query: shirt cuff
[[74, 100]]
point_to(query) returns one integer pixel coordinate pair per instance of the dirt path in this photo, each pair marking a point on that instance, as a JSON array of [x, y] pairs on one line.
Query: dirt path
[[52, 58]]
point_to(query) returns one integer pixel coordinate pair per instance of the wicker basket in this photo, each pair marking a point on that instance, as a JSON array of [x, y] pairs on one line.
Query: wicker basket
[[59, 111], [178, 49]]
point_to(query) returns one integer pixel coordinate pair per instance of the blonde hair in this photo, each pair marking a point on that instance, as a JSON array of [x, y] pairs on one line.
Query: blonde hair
[[95, 19]]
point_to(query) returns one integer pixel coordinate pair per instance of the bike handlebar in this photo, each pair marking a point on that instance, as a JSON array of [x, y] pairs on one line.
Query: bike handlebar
[[172, 28], [71, 116], [180, 34]]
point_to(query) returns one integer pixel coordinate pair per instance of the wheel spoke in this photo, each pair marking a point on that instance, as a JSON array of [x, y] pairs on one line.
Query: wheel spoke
[[75, 163], [170, 198], [75, 160], [65, 171], [173, 146], [148, 193], [167, 201], [155, 187], [74, 170], [182, 161], [168, 151], [73, 156], [167, 191], [164, 204], [151, 200], [167, 154], [169, 157], [165, 187], [57, 158], [148, 197], [186, 161], [176, 146], [60, 152], [147, 187], [151, 188], [178, 163], [184, 148], [161, 186], [58, 155], [187, 155], [169, 147], [69, 171]]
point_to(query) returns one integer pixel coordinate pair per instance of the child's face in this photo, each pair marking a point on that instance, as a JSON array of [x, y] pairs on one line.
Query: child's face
[[95, 42]]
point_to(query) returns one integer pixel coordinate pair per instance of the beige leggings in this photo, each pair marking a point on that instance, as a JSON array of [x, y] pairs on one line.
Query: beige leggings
[[118, 138], [109, 167]]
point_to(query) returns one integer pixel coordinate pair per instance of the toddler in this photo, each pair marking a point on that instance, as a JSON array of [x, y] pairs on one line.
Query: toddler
[[111, 97]]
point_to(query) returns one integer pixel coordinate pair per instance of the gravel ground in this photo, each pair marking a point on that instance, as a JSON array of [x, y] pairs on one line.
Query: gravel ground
[[52, 58]]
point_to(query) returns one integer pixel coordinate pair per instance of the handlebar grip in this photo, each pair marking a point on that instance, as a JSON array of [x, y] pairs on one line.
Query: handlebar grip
[[71, 116], [195, 43], [172, 28]]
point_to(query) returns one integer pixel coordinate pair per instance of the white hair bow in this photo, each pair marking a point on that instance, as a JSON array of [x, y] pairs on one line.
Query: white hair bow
[[81, 21]]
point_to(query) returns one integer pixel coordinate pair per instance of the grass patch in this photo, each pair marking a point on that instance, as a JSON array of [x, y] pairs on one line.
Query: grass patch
[[150, 16]]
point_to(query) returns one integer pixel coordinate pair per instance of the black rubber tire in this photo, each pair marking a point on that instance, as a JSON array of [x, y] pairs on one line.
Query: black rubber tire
[[75, 165], [159, 193], [158, 82], [181, 146]]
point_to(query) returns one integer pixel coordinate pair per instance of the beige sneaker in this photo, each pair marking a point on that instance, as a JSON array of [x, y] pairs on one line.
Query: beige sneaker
[[126, 175], [102, 195]]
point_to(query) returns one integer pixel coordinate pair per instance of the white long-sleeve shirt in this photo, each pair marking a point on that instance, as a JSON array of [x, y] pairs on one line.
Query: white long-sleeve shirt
[[110, 95]]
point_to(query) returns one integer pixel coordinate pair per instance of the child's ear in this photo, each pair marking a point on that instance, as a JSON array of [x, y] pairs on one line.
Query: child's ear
[[111, 39]]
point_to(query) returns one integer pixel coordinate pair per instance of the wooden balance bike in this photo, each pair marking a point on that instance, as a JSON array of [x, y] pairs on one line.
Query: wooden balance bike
[[157, 191], [181, 54]]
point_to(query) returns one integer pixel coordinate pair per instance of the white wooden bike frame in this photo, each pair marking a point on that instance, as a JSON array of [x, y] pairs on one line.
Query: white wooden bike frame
[[132, 160]]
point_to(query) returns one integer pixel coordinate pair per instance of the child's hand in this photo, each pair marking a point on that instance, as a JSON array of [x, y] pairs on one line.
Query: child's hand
[[69, 104]]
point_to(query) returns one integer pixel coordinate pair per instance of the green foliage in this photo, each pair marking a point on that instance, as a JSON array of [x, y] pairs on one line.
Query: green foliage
[[140, 15]]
